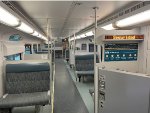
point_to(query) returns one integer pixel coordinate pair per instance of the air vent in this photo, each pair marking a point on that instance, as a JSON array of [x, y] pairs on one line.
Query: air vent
[[125, 11], [9, 5]]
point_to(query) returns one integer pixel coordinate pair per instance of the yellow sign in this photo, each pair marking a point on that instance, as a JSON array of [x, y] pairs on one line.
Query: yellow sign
[[127, 37], [124, 37]]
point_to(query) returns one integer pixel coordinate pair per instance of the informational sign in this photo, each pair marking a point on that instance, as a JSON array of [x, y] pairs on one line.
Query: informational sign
[[15, 37], [124, 37], [121, 52]]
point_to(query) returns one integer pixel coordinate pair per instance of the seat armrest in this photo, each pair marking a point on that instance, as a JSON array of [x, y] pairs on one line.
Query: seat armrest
[[4, 96], [48, 93]]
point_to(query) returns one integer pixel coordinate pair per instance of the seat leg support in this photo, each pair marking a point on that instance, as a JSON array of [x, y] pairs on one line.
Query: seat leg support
[[79, 78], [38, 109]]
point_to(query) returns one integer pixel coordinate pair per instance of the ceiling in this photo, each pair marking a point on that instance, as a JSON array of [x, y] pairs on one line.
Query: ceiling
[[68, 17]]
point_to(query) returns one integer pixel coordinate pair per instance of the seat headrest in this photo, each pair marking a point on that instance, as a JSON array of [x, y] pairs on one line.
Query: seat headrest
[[27, 67], [85, 57]]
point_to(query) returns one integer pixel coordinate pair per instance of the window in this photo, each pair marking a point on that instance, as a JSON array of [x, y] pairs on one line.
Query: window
[[39, 47], [28, 49], [46, 45], [35, 48], [14, 57], [77, 48], [91, 47], [83, 47]]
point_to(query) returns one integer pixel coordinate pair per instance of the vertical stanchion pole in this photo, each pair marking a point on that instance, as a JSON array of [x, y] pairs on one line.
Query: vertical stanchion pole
[[74, 49], [54, 50], [95, 76], [48, 38], [51, 70], [62, 50], [69, 50], [32, 50]]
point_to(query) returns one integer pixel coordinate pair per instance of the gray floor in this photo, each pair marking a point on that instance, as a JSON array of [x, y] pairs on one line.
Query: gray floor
[[83, 88], [67, 97]]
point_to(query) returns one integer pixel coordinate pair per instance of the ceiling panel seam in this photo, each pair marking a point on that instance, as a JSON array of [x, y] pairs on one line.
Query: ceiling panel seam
[[71, 9]]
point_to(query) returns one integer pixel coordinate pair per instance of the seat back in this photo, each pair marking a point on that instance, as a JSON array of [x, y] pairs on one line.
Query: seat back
[[85, 62], [67, 54], [27, 78]]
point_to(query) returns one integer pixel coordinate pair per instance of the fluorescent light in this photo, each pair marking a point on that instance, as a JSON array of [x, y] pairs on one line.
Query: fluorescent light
[[40, 36], [8, 18], [135, 19], [83, 35], [72, 38], [43, 37], [35, 33], [89, 33], [108, 27], [78, 37], [24, 27]]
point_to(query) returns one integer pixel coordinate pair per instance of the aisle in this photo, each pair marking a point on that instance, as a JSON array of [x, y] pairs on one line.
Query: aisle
[[67, 97]]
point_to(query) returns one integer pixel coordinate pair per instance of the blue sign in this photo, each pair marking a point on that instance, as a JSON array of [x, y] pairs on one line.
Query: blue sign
[[15, 37], [123, 53], [120, 55]]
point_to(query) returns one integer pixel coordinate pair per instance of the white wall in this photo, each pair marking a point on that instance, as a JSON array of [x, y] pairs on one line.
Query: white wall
[[144, 61], [6, 32], [13, 48], [79, 43], [36, 57]]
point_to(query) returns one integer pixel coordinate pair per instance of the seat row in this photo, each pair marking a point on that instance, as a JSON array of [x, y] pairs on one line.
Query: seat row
[[26, 84], [84, 65]]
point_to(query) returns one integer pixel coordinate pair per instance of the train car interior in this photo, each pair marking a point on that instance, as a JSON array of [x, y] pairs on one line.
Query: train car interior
[[74, 56]]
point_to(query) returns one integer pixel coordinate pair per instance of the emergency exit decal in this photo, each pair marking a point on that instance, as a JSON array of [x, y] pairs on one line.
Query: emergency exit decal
[[121, 52]]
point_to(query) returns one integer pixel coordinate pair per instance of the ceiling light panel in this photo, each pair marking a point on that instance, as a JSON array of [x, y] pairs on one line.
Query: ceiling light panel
[[83, 35], [135, 19], [7, 18], [78, 37], [35, 33], [39, 36], [108, 27], [89, 33], [44, 38], [25, 28]]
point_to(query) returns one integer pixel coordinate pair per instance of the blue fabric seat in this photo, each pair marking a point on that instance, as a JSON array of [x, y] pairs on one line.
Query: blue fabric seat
[[26, 84], [85, 65], [24, 99]]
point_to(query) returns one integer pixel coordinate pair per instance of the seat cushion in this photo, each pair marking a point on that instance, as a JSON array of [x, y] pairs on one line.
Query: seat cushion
[[85, 72], [27, 67], [28, 82], [24, 99]]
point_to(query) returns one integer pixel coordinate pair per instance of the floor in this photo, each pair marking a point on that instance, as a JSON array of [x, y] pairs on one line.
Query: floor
[[67, 96], [83, 88]]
